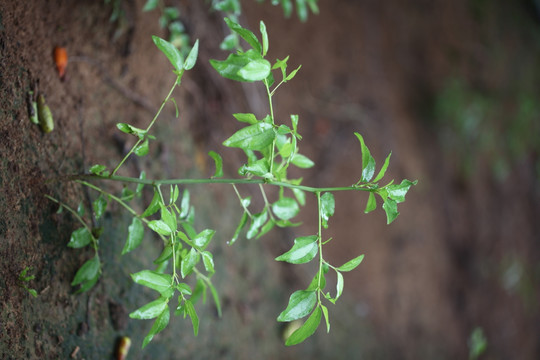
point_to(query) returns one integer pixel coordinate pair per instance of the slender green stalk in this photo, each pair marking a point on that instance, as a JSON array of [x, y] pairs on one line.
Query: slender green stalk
[[319, 290], [127, 179], [176, 83]]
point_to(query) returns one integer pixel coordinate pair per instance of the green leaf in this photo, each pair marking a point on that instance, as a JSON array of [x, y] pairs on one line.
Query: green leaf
[[292, 74], [300, 196], [189, 262], [192, 56], [151, 310], [300, 304], [254, 137], [79, 238], [371, 203], [142, 149], [266, 228], [246, 118], [256, 222], [202, 240], [255, 70], [154, 205], [208, 261], [302, 161], [184, 205], [88, 284], [237, 67], [99, 205], [381, 173], [398, 192], [170, 51], [193, 316], [175, 193], [184, 288], [218, 162], [160, 227], [339, 285], [257, 168], [326, 317], [304, 250], [285, 208], [264, 35], [161, 323], [351, 264], [246, 34], [135, 235], [130, 129], [215, 297], [88, 271], [390, 207], [168, 218], [150, 5], [97, 169], [162, 283], [328, 206], [368, 162], [307, 329], [241, 225], [319, 277], [165, 255]]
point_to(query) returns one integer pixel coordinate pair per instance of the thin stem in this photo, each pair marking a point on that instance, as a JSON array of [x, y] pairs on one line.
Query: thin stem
[[176, 82], [127, 179], [79, 219], [241, 201], [273, 123], [320, 247]]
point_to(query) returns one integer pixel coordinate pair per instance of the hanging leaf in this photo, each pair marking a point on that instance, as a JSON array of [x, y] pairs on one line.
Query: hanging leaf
[[79, 238], [328, 206], [304, 250], [135, 235], [285, 208], [307, 329], [161, 323], [351, 264], [219, 164], [170, 51], [300, 304], [151, 310]]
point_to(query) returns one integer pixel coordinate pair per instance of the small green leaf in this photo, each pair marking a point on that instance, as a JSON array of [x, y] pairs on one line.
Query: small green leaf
[[184, 205], [142, 149], [208, 261], [300, 304], [371, 203], [161, 323], [256, 222], [215, 297], [190, 309], [246, 118], [184, 288], [154, 205], [154, 280], [326, 317], [218, 162], [257, 168], [264, 35], [254, 137], [390, 207], [170, 51], [368, 162], [255, 70], [99, 205], [135, 235], [165, 255], [318, 281], [246, 34], [202, 240], [307, 329], [292, 74], [97, 169], [79, 238], [328, 206], [130, 129], [88, 271], [192, 56], [302, 161], [339, 285], [151, 310], [241, 225], [150, 5], [398, 192], [88, 284], [140, 187], [304, 250], [168, 218], [160, 227], [266, 228], [381, 173], [285, 208], [189, 262], [351, 264]]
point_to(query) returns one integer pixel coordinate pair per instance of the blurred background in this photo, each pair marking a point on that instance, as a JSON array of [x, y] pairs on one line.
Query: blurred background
[[450, 87]]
